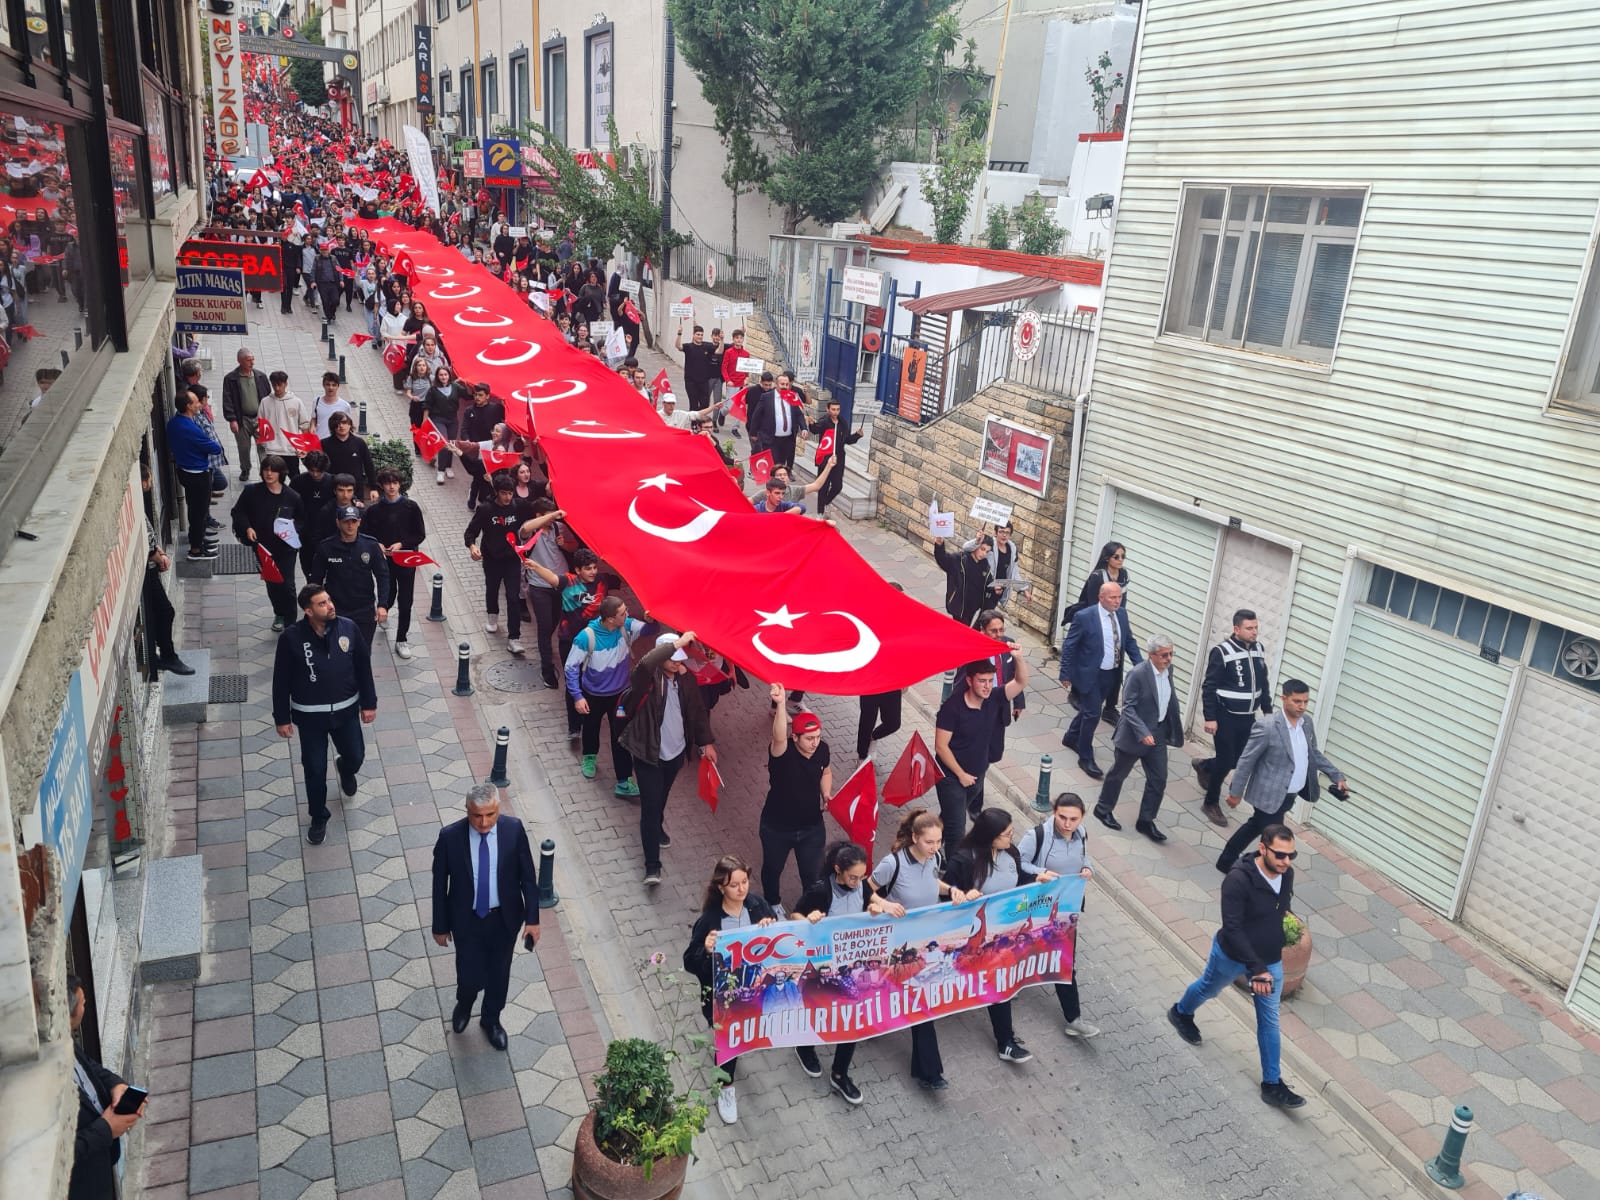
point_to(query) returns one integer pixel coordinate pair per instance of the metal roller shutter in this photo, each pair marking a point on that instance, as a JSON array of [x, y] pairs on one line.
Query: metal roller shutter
[[1413, 726], [1170, 557], [1586, 993], [1534, 830]]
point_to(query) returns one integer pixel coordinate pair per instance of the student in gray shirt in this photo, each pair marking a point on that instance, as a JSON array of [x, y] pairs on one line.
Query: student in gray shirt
[[987, 861], [1061, 844], [908, 877]]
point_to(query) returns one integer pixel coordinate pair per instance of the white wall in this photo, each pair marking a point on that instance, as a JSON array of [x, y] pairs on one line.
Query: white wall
[[1062, 107], [1096, 170]]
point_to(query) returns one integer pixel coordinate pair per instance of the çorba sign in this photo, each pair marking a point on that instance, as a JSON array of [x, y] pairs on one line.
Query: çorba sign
[[262, 264], [227, 83]]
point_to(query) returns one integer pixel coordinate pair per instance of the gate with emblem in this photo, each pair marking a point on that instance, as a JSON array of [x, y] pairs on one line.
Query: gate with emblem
[[841, 349]]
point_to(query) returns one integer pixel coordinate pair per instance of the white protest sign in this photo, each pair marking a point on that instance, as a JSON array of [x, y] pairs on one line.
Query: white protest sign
[[721, 312], [940, 524], [990, 512], [748, 366], [744, 308], [682, 308], [631, 286]]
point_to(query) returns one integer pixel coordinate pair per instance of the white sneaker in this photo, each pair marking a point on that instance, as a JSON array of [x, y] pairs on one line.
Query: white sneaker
[[449, 472], [438, 477], [1081, 1029], [403, 650], [491, 626], [514, 645], [727, 1105]]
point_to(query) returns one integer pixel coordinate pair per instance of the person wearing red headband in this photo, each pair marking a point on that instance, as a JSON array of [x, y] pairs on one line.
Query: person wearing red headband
[[799, 782]]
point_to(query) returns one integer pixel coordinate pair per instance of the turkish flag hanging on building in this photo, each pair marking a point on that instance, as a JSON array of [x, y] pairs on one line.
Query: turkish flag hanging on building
[[789, 602], [914, 773], [855, 806]]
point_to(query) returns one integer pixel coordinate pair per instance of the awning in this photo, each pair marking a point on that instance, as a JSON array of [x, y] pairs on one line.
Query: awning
[[1020, 288]]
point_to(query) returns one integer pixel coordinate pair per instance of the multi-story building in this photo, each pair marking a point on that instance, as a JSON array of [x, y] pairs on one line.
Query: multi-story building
[[1347, 377], [98, 130]]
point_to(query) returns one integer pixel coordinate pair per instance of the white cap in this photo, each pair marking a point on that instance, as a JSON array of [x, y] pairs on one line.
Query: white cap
[[669, 639]]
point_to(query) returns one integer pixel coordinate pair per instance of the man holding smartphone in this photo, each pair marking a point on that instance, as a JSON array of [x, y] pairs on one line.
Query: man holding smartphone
[[1256, 894], [100, 1125]]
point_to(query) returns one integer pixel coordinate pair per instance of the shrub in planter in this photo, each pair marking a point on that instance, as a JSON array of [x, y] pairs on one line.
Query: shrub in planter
[[636, 1141], [1296, 953]]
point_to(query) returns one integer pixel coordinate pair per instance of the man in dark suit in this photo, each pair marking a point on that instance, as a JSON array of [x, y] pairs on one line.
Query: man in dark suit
[[1150, 722], [485, 895], [1090, 654], [773, 421], [100, 1127]]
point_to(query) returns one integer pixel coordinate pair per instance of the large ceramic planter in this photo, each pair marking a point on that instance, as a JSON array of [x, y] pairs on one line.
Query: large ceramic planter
[[1296, 959], [596, 1177]]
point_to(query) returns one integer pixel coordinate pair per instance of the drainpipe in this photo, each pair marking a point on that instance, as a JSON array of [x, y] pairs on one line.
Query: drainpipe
[[666, 153], [1080, 404]]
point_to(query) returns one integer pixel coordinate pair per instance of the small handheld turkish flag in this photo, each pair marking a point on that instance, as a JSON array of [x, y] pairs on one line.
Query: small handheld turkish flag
[[825, 445], [264, 430], [789, 397], [761, 466], [738, 408], [404, 265], [710, 783], [658, 385], [411, 558], [360, 339], [394, 357], [303, 442], [914, 773], [428, 438], [855, 806], [269, 568], [631, 313], [499, 460]]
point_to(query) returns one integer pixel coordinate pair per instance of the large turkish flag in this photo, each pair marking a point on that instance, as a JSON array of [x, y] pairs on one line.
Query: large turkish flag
[[784, 597]]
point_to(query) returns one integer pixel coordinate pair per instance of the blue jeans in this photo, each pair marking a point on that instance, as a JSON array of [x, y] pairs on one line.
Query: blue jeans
[[1219, 973]]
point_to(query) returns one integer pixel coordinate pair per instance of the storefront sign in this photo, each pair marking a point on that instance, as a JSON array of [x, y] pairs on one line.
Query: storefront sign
[[912, 368], [210, 300], [598, 52], [861, 286], [227, 81], [502, 162], [472, 164], [1014, 455], [849, 978], [261, 262], [422, 55], [66, 804]]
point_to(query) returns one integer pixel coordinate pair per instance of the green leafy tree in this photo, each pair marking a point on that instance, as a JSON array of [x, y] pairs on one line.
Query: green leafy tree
[[746, 165], [1037, 231], [820, 86], [306, 73], [947, 185], [997, 231]]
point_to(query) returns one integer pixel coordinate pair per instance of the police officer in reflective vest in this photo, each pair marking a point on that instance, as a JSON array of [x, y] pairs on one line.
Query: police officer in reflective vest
[[322, 682], [1236, 687]]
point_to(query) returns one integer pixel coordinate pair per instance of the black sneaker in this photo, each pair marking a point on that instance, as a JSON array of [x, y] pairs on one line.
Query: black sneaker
[[937, 1084], [666, 839], [809, 1062], [1015, 1051], [1184, 1024], [213, 523], [347, 782], [174, 664], [845, 1088], [1279, 1096], [318, 831], [205, 554]]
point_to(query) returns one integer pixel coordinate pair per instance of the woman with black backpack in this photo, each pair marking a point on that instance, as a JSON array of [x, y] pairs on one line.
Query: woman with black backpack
[[988, 862], [1061, 844], [728, 905], [844, 891], [909, 877]]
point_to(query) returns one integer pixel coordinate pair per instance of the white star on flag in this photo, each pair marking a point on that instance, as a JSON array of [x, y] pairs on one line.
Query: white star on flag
[[656, 481], [782, 617]]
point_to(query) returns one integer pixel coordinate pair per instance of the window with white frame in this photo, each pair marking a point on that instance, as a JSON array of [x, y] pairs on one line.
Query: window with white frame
[[1263, 267], [1579, 381]]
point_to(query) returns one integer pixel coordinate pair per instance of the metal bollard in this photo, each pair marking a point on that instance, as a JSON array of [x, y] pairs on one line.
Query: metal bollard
[[1041, 798], [436, 611], [342, 379], [323, 336], [547, 874], [333, 350], [463, 670], [502, 743], [1445, 1168], [361, 410], [949, 685]]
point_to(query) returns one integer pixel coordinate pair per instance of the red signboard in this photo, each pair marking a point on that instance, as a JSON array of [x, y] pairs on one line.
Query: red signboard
[[262, 264]]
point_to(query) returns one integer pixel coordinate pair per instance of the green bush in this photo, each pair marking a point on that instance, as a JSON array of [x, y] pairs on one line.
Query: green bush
[[997, 229], [1037, 230], [638, 1120], [1293, 929], [392, 453]]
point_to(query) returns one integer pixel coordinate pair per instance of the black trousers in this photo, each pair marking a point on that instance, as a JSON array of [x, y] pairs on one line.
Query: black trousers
[[831, 487], [655, 784], [807, 845], [1000, 1023], [329, 294], [1080, 734], [782, 450], [604, 708], [484, 947], [504, 572], [925, 1060], [1067, 994], [291, 284], [880, 716], [1250, 831], [574, 717], [1228, 743], [282, 595], [344, 728], [957, 804], [196, 505], [158, 615], [546, 605], [1154, 759], [699, 393], [402, 587], [731, 1066]]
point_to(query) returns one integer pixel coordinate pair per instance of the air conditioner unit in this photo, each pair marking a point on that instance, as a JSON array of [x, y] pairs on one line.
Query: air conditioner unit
[[448, 124], [450, 102], [383, 93], [497, 120]]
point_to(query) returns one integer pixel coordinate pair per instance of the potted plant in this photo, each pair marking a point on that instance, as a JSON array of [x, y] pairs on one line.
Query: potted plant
[[1296, 952], [636, 1141]]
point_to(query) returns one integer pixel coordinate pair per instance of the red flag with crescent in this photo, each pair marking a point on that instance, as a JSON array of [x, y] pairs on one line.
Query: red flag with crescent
[[264, 430], [360, 339], [914, 773], [658, 385], [394, 357], [738, 407], [709, 783], [269, 567], [411, 558], [499, 460], [428, 438], [761, 466], [303, 442], [825, 446], [855, 806], [631, 313]]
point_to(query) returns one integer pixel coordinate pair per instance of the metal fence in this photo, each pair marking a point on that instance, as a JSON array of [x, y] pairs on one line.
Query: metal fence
[[985, 355], [739, 276]]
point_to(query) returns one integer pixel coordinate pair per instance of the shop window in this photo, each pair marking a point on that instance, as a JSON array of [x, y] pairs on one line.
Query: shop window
[[1485, 626]]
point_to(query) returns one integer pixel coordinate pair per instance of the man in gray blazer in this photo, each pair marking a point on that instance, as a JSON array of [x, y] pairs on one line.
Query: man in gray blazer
[[1280, 762], [1150, 722]]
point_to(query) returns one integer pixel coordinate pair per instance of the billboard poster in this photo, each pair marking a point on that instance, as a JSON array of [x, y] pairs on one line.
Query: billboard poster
[[1015, 455]]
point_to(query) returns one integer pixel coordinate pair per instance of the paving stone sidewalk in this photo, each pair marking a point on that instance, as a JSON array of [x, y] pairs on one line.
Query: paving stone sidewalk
[[313, 1057]]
